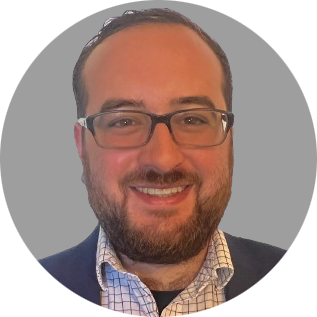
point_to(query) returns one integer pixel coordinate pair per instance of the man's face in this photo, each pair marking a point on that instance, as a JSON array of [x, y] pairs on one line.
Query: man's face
[[156, 64]]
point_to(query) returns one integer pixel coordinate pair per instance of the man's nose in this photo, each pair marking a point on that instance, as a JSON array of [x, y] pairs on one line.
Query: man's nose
[[161, 153]]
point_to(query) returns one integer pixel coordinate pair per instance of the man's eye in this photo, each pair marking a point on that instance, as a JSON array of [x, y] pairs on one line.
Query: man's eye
[[194, 121], [122, 123]]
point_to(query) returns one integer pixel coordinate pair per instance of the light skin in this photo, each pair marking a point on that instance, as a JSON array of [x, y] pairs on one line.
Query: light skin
[[155, 64]]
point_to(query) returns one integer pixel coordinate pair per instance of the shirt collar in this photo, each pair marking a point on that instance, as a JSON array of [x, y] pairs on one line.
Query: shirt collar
[[217, 267]]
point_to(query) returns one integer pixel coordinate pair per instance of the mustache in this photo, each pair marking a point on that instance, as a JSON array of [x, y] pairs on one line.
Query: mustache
[[156, 178]]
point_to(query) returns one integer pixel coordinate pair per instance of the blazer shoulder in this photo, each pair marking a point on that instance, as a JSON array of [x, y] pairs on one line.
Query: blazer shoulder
[[59, 258], [75, 268], [251, 260], [255, 248]]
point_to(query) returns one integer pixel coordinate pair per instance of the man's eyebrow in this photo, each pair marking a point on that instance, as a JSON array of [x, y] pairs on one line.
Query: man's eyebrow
[[113, 104], [197, 100]]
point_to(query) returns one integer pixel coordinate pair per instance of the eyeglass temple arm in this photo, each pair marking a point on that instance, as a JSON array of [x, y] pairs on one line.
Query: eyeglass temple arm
[[82, 122]]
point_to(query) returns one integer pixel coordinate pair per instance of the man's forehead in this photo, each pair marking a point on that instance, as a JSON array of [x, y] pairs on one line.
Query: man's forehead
[[158, 34], [152, 56], [148, 30], [168, 38]]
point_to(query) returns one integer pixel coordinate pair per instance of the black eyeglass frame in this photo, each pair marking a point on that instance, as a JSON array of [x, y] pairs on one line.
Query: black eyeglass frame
[[155, 119]]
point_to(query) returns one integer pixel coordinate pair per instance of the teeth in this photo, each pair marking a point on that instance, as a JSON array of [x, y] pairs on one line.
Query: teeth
[[164, 192]]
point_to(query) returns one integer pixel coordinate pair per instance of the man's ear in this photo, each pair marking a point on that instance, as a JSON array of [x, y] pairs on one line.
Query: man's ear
[[78, 130]]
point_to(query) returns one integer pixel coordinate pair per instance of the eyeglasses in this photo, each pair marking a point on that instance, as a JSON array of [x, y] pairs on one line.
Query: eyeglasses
[[127, 129]]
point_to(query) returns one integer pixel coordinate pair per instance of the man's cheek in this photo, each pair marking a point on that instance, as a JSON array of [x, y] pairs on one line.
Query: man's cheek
[[122, 157], [112, 170], [117, 163], [212, 180]]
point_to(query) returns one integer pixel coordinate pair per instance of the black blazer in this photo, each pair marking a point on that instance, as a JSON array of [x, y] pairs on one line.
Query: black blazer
[[75, 268]]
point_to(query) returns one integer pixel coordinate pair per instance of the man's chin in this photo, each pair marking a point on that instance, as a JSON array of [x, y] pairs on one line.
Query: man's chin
[[160, 241], [159, 219]]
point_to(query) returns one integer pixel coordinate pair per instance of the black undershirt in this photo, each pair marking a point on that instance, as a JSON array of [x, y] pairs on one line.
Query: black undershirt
[[163, 298]]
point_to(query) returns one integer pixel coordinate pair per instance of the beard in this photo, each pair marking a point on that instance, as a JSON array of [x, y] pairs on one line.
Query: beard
[[159, 244]]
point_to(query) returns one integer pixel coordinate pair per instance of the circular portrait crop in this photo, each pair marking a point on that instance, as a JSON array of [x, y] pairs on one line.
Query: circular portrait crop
[[153, 148]]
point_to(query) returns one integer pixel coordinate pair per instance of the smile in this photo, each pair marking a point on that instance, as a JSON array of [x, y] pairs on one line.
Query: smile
[[160, 192], [161, 195]]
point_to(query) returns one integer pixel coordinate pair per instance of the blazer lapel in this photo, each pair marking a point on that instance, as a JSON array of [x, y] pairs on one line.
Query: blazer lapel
[[87, 284]]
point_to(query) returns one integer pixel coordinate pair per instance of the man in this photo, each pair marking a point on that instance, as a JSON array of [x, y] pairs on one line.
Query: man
[[154, 98]]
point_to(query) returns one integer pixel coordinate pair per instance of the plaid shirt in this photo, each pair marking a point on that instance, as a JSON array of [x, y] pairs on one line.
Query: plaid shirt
[[125, 292]]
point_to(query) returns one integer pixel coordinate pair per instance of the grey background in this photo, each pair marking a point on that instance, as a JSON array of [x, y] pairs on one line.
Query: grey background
[[274, 142]]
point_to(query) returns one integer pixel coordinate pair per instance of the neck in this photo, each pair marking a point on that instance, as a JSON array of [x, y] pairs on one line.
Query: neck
[[166, 277]]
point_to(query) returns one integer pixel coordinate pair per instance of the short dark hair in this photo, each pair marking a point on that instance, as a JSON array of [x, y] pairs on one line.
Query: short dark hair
[[132, 18]]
